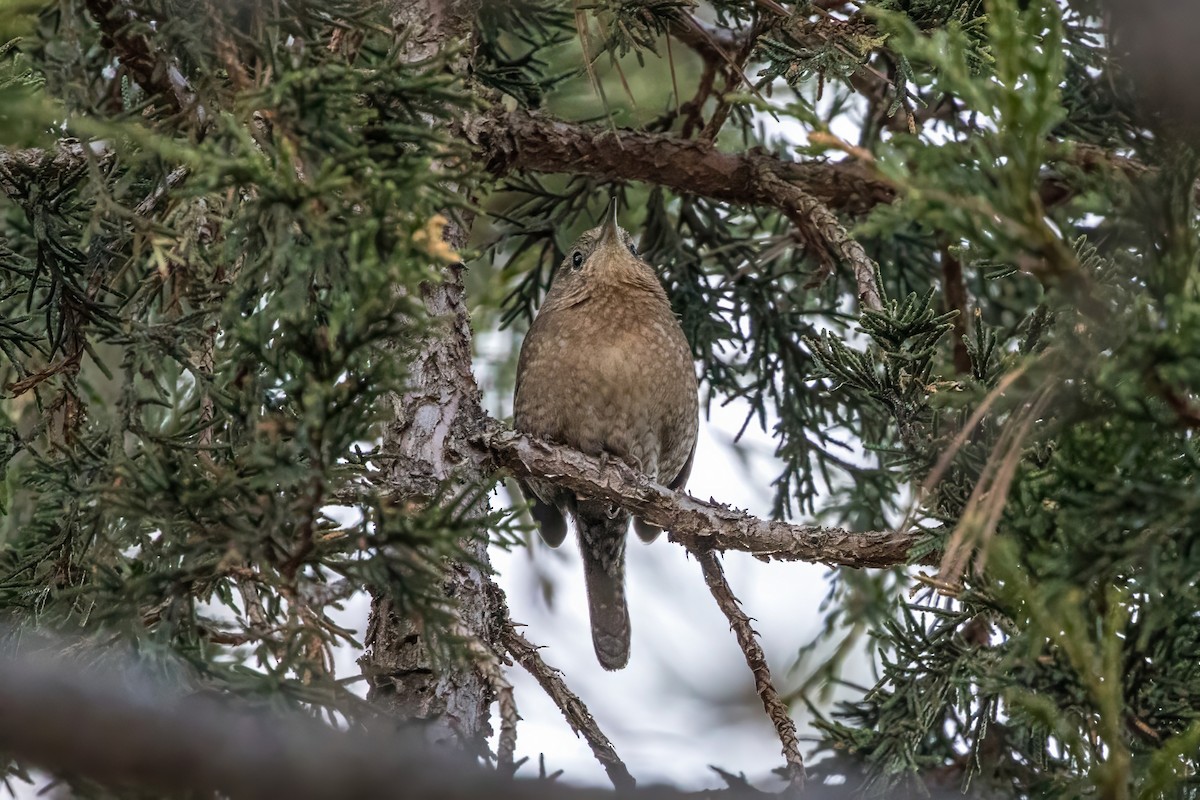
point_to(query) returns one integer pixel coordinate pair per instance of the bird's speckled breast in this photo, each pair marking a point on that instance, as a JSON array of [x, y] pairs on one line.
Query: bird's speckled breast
[[611, 375]]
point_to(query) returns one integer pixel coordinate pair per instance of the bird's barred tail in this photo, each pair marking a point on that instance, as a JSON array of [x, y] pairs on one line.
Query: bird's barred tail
[[602, 544]]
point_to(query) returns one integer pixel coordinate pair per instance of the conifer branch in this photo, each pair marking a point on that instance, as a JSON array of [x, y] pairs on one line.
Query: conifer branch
[[522, 140], [154, 71], [739, 623], [692, 522], [572, 708]]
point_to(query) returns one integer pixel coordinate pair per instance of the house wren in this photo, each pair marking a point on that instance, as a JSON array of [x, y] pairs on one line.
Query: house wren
[[607, 370]]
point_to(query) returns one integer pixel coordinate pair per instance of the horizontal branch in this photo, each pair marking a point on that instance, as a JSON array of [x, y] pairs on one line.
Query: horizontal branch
[[521, 140], [693, 522]]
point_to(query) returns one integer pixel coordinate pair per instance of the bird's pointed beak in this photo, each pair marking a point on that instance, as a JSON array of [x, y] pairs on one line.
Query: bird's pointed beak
[[609, 234]]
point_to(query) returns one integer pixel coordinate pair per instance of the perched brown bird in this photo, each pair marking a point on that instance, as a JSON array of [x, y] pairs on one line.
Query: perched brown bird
[[606, 369]]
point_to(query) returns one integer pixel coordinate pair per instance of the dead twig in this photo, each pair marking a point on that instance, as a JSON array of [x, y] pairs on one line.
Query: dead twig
[[739, 623], [572, 708]]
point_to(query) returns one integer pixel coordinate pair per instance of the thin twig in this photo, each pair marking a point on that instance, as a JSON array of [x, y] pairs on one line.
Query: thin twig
[[151, 202], [747, 639], [572, 708], [721, 49]]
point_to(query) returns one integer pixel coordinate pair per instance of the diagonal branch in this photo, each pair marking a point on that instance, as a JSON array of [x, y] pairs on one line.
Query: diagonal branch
[[692, 522], [153, 70], [714, 45], [824, 235], [572, 708], [756, 659]]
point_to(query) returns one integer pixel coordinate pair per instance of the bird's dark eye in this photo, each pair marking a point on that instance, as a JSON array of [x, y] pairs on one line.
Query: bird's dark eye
[[633, 248], [577, 259]]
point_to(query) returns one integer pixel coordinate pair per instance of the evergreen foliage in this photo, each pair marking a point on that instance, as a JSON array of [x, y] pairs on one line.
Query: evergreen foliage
[[200, 326], [202, 319]]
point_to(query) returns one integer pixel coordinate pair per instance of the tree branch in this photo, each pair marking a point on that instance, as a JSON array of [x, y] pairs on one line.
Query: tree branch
[[572, 708], [692, 522], [521, 140], [747, 639], [154, 71]]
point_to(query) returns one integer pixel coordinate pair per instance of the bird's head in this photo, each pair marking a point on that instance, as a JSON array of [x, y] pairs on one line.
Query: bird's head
[[603, 256]]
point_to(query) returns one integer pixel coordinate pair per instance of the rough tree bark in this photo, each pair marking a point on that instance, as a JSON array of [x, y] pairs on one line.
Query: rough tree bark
[[428, 444]]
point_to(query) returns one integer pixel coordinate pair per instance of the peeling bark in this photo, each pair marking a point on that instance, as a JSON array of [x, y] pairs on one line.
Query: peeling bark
[[428, 444], [523, 140]]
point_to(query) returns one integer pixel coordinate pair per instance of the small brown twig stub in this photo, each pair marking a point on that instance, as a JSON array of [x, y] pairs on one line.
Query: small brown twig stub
[[747, 639], [509, 717], [572, 708]]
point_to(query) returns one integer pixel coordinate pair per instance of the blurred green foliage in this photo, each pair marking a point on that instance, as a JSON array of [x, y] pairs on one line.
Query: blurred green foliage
[[199, 316]]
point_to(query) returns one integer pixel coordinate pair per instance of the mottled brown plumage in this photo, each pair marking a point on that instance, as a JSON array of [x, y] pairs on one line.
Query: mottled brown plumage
[[606, 369]]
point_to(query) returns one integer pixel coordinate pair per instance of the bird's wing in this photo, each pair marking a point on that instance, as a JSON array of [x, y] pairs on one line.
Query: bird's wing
[[686, 471], [647, 532]]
